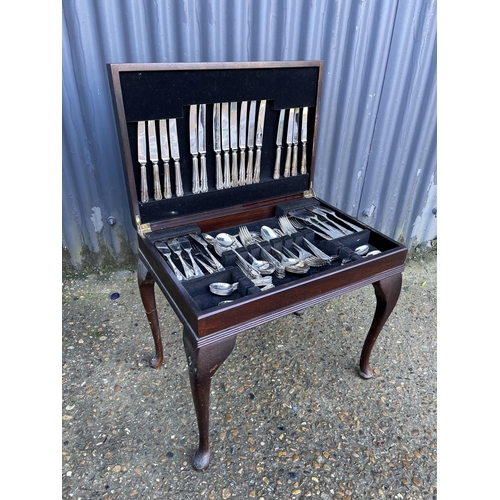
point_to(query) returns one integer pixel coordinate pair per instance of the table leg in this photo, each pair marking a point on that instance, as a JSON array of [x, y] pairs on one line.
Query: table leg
[[387, 293], [147, 290], [203, 362]]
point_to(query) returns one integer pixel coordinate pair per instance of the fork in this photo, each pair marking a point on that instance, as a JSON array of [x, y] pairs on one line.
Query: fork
[[320, 213], [314, 219], [175, 246], [247, 239], [290, 226], [186, 246], [163, 248], [314, 249]]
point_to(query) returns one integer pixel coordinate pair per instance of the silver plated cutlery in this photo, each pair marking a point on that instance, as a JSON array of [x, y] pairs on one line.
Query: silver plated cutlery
[[243, 141], [279, 145], [165, 157], [258, 139], [174, 148], [251, 141], [303, 139], [193, 147], [233, 139], [289, 142], [142, 157], [219, 184], [153, 156]]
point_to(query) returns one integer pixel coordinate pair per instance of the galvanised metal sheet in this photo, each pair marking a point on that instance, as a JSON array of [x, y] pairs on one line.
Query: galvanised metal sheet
[[377, 131]]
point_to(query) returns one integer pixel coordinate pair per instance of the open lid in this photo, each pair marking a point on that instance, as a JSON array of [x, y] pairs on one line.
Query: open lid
[[146, 92]]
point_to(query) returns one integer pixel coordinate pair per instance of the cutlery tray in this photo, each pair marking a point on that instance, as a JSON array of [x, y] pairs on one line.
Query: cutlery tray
[[208, 148]]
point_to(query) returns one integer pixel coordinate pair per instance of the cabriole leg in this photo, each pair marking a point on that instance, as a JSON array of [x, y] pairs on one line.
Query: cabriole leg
[[387, 292], [203, 362], [147, 290]]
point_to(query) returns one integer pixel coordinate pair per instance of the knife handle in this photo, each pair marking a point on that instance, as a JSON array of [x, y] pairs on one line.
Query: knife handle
[[250, 167], [166, 180], [227, 172], [196, 176], [156, 176], [144, 185], [303, 165], [294, 159], [242, 167], [256, 173], [277, 164], [234, 168], [286, 173], [203, 174], [179, 191], [218, 172]]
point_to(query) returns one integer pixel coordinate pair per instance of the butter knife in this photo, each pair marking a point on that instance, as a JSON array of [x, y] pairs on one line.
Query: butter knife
[[279, 141], [141, 155], [153, 156], [243, 141], [193, 146], [202, 147], [165, 156], [174, 147], [296, 118], [217, 148], [250, 140], [233, 134], [303, 138], [289, 140], [259, 134], [225, 144]]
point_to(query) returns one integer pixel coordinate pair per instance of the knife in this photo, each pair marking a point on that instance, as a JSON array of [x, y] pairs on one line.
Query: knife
[[202, 147], [141, 154], [193, 146], [243, 141], [289, 137], [165, 156], [258, 139], [233, 134], [279, 141], [296, 118], [217, 147], [174, 147], [303, 138], [250, 141], [225, 143], [153, 156]]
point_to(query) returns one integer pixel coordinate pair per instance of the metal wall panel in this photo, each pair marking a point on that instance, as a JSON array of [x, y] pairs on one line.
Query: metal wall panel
[[377, 133]]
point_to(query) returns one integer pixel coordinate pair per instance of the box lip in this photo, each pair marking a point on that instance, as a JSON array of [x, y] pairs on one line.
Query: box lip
[[115, 69]]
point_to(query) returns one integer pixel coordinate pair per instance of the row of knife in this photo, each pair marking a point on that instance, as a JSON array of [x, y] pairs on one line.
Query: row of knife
[[237, 128]]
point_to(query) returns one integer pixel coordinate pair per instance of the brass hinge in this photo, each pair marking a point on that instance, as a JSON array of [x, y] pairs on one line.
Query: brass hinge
[[309, 194], [142, 228]]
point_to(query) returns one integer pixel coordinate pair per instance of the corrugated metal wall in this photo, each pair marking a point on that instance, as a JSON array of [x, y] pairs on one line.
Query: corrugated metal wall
[[377, 141]]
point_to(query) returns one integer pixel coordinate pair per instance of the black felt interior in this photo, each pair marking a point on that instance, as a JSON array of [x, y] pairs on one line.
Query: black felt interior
[[155, 95]]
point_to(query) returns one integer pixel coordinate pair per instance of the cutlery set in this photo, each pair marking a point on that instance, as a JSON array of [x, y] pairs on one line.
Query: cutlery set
[[238, 130], [191, 256]]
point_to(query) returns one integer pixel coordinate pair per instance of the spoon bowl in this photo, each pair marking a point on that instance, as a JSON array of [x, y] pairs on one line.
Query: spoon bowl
[[223, 289]]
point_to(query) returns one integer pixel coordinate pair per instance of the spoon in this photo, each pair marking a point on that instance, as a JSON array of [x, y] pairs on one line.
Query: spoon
[[361, 250], [220, 288], [292, 265], [227, 242]]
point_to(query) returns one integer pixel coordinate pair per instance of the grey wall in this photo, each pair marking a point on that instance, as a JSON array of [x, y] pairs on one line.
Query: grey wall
[[377, 133]]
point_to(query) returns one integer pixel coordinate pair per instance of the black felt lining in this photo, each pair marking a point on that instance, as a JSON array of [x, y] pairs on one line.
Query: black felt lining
[[154, 95]]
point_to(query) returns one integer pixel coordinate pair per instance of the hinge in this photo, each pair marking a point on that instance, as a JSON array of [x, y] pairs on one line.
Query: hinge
[[309, 193], [142, 228]]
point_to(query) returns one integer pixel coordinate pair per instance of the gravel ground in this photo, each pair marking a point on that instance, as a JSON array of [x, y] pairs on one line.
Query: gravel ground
[[290, 417]]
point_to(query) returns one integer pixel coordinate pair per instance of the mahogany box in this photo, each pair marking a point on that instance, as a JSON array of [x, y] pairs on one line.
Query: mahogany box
[[219, 161]]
